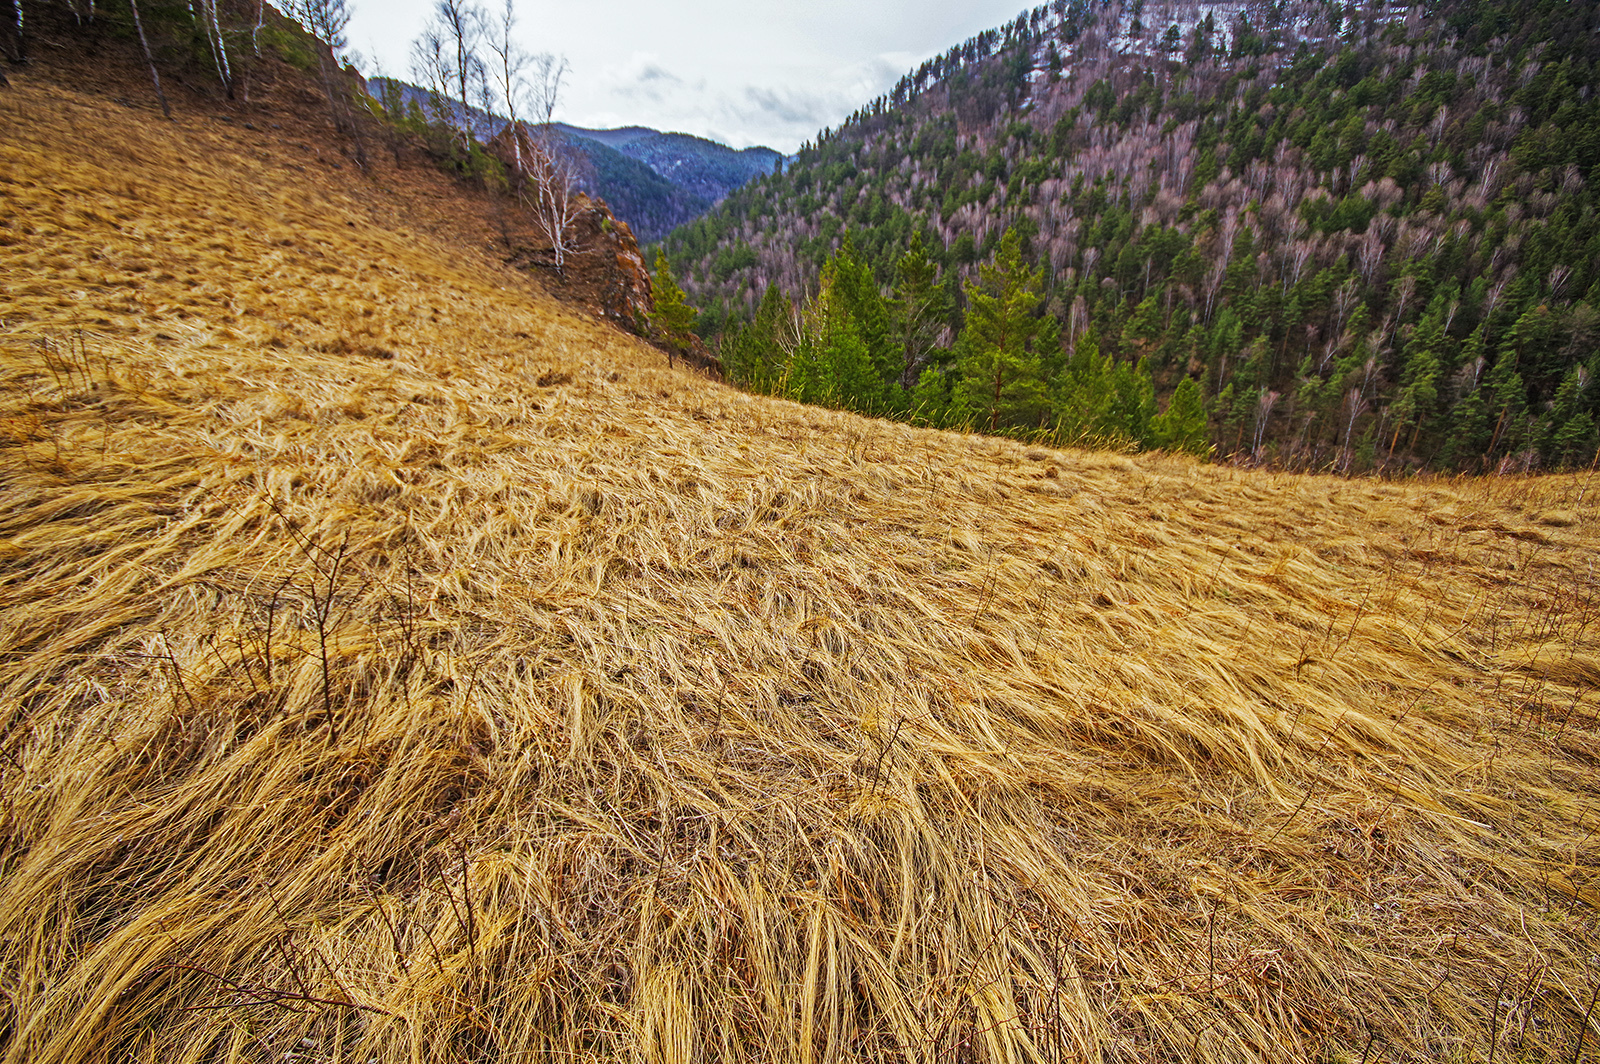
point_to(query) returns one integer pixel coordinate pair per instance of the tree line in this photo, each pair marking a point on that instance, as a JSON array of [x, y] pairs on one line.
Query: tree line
[[492, 102], [852, 347]]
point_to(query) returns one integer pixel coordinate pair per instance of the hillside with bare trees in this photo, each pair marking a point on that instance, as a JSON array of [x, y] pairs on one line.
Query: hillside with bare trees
[[1366, 235]]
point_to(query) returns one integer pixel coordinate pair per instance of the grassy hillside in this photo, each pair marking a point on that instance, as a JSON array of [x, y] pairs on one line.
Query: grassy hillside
[[397, 666]]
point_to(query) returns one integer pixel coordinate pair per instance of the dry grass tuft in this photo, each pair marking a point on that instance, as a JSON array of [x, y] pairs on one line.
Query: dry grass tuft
[[398, 667]]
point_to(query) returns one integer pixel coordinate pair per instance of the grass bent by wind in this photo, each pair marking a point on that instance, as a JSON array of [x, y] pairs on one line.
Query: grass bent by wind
[[399, 666]]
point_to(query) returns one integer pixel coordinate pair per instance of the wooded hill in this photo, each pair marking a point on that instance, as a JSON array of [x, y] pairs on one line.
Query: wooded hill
[[1368, 235]]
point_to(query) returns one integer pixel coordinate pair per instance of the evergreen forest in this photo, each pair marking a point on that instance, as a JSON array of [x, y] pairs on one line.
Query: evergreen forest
[[1309, 234]]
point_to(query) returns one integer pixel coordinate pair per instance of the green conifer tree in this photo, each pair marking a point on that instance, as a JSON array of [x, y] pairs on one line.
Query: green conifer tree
[[671, 317], [930, 400], [921, 309], [1414, 406], [998, 352], [855, 295], [1182, 427], [1099, 401], [757, 357], [1469, 435]]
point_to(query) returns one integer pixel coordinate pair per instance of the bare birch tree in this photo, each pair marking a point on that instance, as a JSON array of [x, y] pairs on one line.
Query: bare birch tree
[[552, 170], [210, 24], [155, 78], [1258, 437], [255, 32], [11, 15], [19, 42], [430, 66], [510, 71], [460, 26], [327, 20]]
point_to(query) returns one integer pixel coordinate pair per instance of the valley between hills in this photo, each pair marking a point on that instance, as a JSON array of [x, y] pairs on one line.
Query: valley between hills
[[401, 663]]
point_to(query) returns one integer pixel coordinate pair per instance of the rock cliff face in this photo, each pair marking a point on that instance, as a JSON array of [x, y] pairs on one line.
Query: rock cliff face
[[606, 273], [606, 270]]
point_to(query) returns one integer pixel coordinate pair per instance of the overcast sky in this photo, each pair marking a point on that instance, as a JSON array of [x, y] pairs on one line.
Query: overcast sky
[[739, 71]]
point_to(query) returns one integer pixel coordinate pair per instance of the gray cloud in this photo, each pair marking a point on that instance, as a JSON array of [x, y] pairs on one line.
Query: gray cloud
[[647, 80], [652, 72], [788, 105]]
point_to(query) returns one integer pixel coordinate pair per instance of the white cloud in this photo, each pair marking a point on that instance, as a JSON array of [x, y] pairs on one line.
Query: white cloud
[[741, 71]]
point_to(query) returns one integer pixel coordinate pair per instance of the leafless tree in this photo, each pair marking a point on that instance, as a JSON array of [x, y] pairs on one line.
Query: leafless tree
[[255, 31], [1370, 255], [1405, 288], [1355, 404], [550, 168], [327, 21], [461, 26], [209, 20], [510, 72], [19, 43], [1345, 300], [1213, 283], [155, 78], [1558, 277], [1295, 261], [1268, 400], [430, 66], [1436, 127]]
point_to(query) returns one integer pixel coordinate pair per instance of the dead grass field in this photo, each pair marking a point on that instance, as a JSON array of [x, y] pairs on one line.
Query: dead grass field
[[399, 667]]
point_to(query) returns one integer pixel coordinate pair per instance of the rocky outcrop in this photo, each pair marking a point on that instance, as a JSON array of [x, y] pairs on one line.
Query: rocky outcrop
[[607, 267], [603, 267], [606, 272]]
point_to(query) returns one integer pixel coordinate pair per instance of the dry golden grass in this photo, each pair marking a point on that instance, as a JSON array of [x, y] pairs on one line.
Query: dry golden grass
[[400, 668]]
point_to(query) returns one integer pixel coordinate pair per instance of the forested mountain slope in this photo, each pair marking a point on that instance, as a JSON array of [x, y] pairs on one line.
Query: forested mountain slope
[[1368, 235], [701, 166], [693, 173]]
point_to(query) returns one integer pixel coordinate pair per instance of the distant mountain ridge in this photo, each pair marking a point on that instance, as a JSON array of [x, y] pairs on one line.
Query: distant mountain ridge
[[702, 166], [652, 180]]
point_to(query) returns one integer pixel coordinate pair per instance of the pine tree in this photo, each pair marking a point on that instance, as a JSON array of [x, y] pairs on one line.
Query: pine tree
[[1575, 441], [930, 400], [1096, 400], [921, 309], [1134, 402], [1509, 408], [1469, 436], [998, 353], [671, 318], [855, 295], [1414, 407], [1568, 428], [848, 378], [771, 325], [754, 356]]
